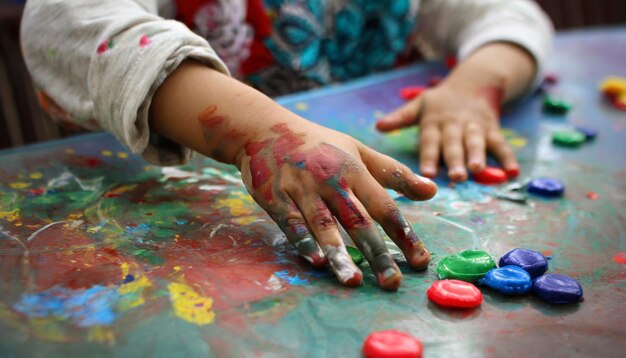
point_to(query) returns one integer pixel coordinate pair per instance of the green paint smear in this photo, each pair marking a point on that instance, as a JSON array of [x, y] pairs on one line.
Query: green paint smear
[[568, 138], [468, 265], [148, 255], [355, 254]]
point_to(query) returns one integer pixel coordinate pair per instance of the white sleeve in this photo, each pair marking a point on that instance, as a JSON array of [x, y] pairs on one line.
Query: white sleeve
[[460, 27], [100, 62]]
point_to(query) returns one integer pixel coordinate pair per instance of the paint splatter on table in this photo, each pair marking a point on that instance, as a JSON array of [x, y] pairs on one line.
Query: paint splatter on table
[[101, 253]]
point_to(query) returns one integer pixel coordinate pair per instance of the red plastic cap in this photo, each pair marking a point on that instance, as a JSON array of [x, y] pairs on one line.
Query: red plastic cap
[[454, 294], [392, 344], [490, 176]]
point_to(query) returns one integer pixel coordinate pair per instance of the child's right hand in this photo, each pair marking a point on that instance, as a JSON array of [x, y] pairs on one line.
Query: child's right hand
[[305, 176], [302, 174]]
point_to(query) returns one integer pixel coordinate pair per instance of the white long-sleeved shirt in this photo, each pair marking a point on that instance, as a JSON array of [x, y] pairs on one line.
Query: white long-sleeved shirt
[[98, 63]]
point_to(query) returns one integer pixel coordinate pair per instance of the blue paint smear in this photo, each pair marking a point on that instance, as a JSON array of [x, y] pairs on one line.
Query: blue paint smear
[[129, 278], [84, 307], [294, 280]]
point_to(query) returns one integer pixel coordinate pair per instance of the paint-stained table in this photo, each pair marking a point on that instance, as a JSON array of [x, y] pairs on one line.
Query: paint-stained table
[[102, 254]]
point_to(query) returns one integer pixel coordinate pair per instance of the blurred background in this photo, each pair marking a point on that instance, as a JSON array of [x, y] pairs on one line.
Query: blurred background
[[22, 121]]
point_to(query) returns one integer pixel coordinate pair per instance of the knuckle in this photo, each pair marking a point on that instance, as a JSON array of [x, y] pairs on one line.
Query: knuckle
[[356, 220], [323, 220]]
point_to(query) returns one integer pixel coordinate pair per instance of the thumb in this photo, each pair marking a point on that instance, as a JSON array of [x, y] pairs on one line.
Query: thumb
[[404, 116]]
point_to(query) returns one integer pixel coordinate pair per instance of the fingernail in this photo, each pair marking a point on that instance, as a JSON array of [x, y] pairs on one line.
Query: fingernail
[[512, 172], [428, 171], [424, 180], [390, 279], [457, 173]]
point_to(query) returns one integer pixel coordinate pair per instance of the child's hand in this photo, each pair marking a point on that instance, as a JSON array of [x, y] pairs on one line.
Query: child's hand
[[457, 123], [459, 119], [305, 176]]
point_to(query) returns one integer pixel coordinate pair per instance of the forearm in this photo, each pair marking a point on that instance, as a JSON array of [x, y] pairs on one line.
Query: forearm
[[211, 113], [503, 67]]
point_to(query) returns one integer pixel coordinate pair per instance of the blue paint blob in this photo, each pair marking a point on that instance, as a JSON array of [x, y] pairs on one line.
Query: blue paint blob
[[292, 280], [589, 133], [85, 308], [546, 187], [535, 263], [557, 289], [509, 280], [129, 278]]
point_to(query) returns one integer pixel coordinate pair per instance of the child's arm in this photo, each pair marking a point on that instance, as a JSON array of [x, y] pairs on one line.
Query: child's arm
[[502, 46], [162, 90], [304, 175]]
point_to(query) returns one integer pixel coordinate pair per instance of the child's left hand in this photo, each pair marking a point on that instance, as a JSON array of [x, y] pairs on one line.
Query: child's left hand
[[457, 123], [459, 119]]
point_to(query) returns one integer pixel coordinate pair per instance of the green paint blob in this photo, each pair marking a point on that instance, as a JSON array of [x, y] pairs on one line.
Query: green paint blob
[[555, 106], [568, 138], [355, 254], [468, 265]]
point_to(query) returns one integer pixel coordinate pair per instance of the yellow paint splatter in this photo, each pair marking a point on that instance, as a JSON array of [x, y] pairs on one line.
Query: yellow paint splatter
[[134, 286], [19, 185], [69, 151], [124, 267], [518, 142], [10, 216], [394, 133], [36, 175], [301, 106], [107, 153], [122, 155], [101, 334], [246, 220], [132, 293], [177, 268], [189, 305], [239, 204]]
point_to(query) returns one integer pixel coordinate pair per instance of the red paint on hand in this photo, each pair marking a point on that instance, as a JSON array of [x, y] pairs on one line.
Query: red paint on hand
[[591, 195], [408, 93], [454, 294], [285, 143], [208, 120], [551, 78], [451, 61], [392, 344], [490, 176], [260, 171], [493, 95]]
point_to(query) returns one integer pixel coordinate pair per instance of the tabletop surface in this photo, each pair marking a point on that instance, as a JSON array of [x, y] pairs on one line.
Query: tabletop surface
[[102, 253]]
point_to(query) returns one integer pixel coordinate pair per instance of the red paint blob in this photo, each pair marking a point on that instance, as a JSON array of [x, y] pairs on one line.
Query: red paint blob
[[324, 163], [512, 173], [408, 93], [591, 195], [490, 176], [392, 344], [454, 294], [620, 258]]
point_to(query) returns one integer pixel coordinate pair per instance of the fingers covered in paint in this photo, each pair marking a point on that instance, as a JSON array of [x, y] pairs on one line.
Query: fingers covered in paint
[[361, 227], [326, 231], [388, 215], [394, 175]]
